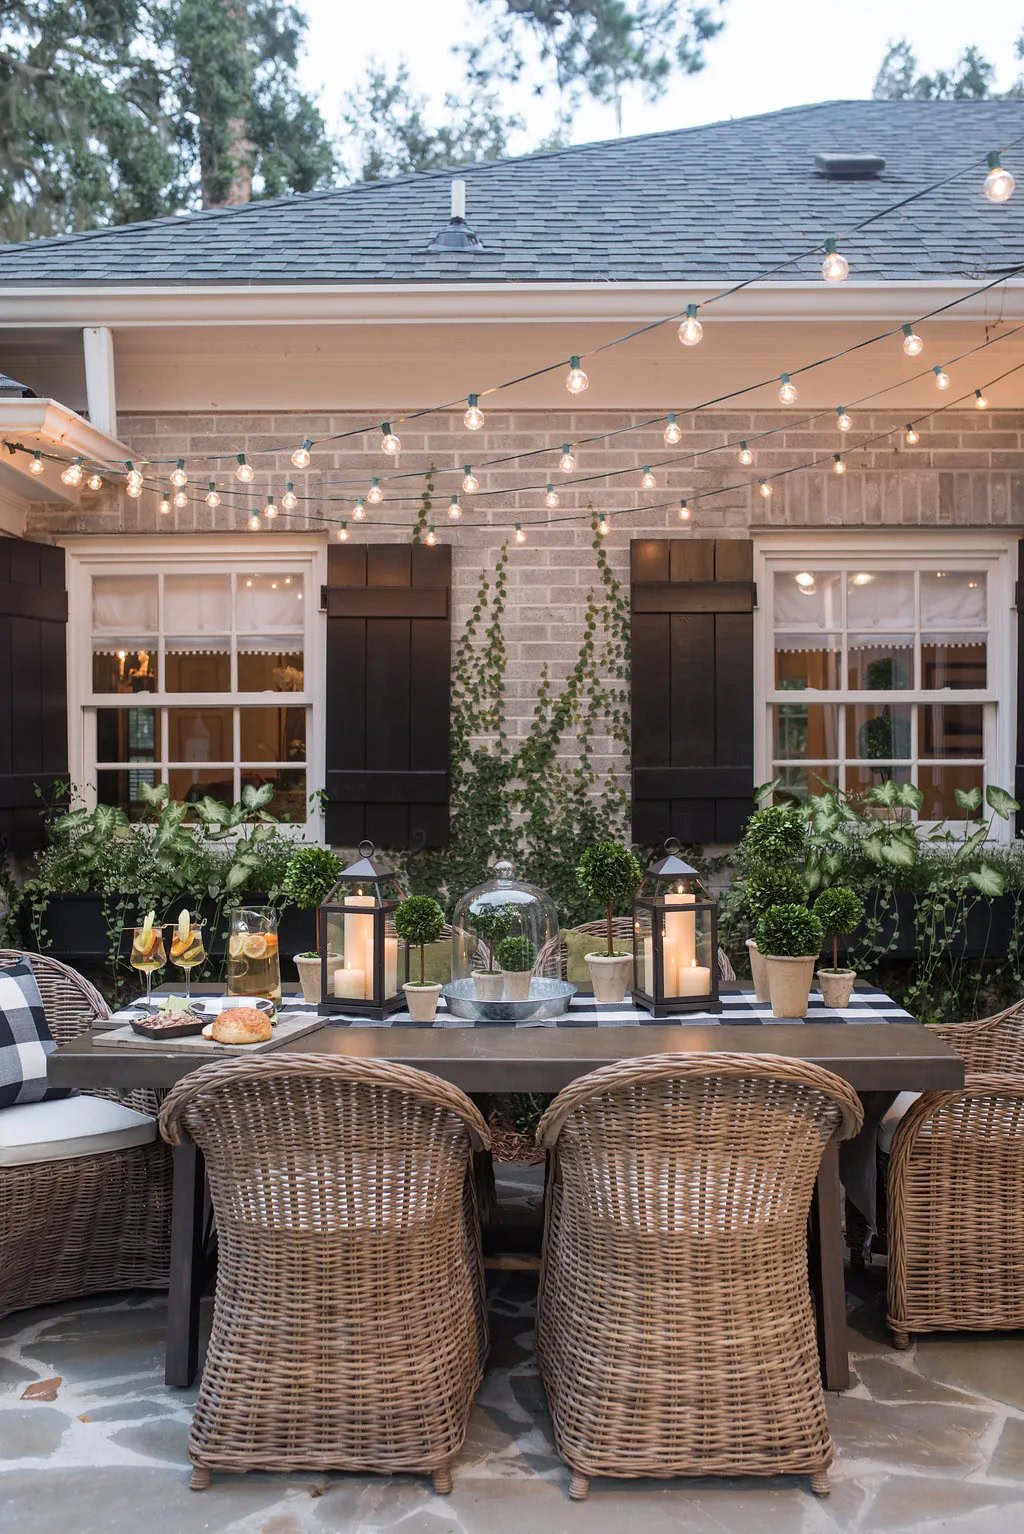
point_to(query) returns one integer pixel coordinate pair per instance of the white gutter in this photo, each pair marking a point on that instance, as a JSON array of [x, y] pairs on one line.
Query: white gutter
[[59, 307], [49, 426]]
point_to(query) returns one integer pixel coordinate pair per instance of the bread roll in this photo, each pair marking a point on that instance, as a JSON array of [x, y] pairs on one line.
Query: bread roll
[[241, 1025]]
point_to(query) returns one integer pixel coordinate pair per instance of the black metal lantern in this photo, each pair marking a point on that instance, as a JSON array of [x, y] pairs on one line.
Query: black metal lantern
[[675, 940], [363, 962]]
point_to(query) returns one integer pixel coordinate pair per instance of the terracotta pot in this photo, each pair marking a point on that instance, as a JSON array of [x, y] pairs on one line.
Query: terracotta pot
[[610, 975], [517, 984], [836, 985], [422, 1001], [489, 984], [789, 983], [758, 971]]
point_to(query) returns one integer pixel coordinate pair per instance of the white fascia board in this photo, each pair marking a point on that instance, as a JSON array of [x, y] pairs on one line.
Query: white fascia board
[[48, 425], [129, 306]]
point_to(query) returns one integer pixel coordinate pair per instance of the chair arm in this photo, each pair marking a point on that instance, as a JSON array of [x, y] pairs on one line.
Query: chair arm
[[961, 1115]]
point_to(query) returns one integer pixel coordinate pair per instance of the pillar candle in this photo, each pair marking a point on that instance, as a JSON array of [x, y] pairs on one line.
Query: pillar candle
[[350, 984], [680, 943], [694, 980], [359, 942], [391, 966]]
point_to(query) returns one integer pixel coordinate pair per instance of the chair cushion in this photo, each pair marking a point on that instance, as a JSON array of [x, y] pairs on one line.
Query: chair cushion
[[893, 1118], [77, 1126], [577, 946], [25, 1039]]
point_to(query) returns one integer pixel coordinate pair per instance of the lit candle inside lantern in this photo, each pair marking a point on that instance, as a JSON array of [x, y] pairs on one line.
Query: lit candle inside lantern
[[350, 984], [390, 966], [694, 979], [679, 948], [359, 945]]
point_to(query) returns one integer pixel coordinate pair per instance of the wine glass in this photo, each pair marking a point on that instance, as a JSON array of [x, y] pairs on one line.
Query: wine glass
[[188, 950], [148, 953]]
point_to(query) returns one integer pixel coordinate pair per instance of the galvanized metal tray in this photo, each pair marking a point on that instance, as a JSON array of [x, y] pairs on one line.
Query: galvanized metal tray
[[547, 999]]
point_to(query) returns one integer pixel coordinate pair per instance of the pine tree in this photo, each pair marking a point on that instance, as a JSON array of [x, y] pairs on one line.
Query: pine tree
[[970, 79]]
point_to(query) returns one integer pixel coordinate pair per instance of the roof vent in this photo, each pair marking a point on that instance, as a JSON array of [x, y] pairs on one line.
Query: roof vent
[[458, 235], [849, 167]]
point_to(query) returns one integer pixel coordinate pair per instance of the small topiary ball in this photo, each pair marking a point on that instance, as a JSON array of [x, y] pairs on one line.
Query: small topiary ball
[[772, 886], [775, 835], [515, 953], [418, 920], [839, 910], [609, 873], [789, 932]]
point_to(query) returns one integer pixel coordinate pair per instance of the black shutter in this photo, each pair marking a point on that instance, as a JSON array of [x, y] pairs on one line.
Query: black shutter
[[388, 693], [692, 688], [33, 684]]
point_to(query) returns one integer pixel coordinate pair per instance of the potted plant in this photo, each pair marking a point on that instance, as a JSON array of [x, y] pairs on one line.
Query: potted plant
[[491, 923], [609, 874], [790, 938], [763, 888], [775, 839], [309, 877], [515, 956], [418, 921], [840, 911]]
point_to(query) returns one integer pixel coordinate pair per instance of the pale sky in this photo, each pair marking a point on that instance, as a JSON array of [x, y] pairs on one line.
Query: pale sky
[[773, 53]]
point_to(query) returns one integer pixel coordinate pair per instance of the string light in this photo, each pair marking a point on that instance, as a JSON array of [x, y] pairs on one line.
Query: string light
[[838, 466], [37, 466], [911, 436], [300, 457], [431, 537], [181, 499], [647, 479], [375, 494], [685, 513], [691, 331], [454, 509], [359, 510], [343, 533], [980, 402], [576, 381], [133, 480], [270, 509], [673, 432], [245, 471], [390, 444], [254, 522], [474, 416], [843, 420], [602, 526], [470, 483], [765, 488], [289, 500], [520, 535], [999, 184], [912, 344], [787, 390], [746, 457], [212, 498], [165, 504], [835, 267], [551, 498], [179, 479], [942, 378], [95, 481], [567, 462]]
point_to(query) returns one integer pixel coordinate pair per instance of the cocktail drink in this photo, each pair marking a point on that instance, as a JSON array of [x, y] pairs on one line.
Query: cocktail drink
[[187, 947], [148, 951], [254, 959]]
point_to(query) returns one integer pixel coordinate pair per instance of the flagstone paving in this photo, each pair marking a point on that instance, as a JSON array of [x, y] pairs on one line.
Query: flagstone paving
[[931, 1439]]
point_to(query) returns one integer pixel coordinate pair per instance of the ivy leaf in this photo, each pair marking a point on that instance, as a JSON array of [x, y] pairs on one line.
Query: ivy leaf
[[968, 799], [999, 800], [987, 880]]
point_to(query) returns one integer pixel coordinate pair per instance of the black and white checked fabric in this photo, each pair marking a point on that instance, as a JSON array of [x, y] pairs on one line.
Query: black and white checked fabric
[[25, 1039]]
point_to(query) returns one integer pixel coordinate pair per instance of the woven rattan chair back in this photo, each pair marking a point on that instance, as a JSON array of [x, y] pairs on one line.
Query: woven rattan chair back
[[622, 932], [991, 1044], [675, 1333], [72, 1004], [349, 1328]]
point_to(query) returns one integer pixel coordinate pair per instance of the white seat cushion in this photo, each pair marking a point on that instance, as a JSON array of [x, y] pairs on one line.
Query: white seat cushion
[[69, 1127], [893, 1118]]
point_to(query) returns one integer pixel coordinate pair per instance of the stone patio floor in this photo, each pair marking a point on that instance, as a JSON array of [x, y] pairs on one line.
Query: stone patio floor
[[929, 1439]]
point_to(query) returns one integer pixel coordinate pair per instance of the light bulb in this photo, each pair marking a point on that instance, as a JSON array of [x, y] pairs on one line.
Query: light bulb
[[254, 521], [178, 476], [912, 344], [95, 481], [835, 267], [910, 436], [300, 457], [942, 378], [212, 498], [375, 494], [647, 479], [787, 391], [390, 444], [551, 498], [165, 505], [37, 466], [289, 500], [843, 421], [431, 537], [684, 512], [270, 509], [343, 533], [469, 480], [673, 432], [181, 499], [805, 580], [454, 509], [999, 184], [765, 488], [567, 462], [745, 455], [980, 402], [576, 381], [691, 330], [838, 466], [133, 481], [474, 416], [520, 535], [602, 526], [359, 510], [245, 471]]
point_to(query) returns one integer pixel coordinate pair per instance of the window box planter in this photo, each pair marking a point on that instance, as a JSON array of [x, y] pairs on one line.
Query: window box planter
[[986, 931]]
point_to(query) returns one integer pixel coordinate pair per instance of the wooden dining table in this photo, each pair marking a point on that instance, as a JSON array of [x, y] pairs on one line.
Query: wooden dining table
[[878, 1058]]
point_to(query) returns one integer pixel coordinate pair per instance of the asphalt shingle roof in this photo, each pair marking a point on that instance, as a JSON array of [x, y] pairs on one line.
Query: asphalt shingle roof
[[717, 203]]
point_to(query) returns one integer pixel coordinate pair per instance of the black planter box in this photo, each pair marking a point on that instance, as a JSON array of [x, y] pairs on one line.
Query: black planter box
[[985, 934]]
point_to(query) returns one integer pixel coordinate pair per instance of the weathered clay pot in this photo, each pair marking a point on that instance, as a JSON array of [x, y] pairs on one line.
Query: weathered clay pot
[[789, 984], [422, 1001], [836, 985], [489, 984], [758, 971], [309, 979], [517, 984], [610, 975]]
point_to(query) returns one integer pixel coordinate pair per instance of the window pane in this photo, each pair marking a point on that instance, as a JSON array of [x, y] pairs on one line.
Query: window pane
[[953, 599], [880, 599], [289, 801], [273, 734], [950, 730], [878, 732], [795, 783], [811, 662], [121, 670], [860, 778], [192, 670], [127, 735], [807, 730], [191, 783], [124, 605], [271, 670], [197, 604], [880, 665], [200, 735], [938, 784], [120, 787], [269, 603], [948, 663], [808, 597]]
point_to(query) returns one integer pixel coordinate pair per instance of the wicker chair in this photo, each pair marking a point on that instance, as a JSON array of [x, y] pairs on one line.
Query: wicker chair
[[349, 1328], [622, 931], [956, 1191], [675, 1333], [89, 1223]]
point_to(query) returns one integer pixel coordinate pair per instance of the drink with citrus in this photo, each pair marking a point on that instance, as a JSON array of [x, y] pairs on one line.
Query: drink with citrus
[[148, 951], [187, 947], [254, 960]]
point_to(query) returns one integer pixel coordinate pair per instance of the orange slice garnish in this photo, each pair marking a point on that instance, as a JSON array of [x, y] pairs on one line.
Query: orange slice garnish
[[255, 945]]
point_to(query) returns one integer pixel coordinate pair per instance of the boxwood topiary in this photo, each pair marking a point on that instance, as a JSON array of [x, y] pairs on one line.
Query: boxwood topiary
[[839, 910], [311, 874], [766, 887], [516, 953], [419, 920], [789, 932], [492, 921], [775, 835], [609, 874]]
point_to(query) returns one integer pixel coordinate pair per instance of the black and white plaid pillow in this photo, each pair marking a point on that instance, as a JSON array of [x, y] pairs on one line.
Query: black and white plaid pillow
[[25, 1039]]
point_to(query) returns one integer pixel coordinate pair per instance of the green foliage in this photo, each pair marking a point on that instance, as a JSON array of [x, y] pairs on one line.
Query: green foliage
[[789, 932], [767, 886], [839, 910], [419, 920], [311, 874], [609, 873], [516, 953], [775, 835], [969, 79]]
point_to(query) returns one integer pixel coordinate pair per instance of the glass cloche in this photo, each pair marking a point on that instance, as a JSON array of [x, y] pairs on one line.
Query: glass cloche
[[502, 930]]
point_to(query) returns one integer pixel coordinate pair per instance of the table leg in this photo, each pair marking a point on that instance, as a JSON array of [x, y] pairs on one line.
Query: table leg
[[827, 1281], [186, 1278]]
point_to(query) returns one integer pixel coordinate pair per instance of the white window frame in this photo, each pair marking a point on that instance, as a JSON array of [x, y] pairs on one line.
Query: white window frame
[[299, 555], [884, 550]]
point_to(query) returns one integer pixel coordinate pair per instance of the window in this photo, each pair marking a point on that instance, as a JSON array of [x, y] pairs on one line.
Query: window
[[195, 667], [881, 658]]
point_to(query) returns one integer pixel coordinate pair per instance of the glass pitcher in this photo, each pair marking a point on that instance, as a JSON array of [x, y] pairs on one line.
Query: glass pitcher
[[254, 960]]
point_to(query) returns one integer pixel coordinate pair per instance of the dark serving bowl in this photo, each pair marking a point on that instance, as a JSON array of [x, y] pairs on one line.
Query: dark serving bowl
[[150, 1028]]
